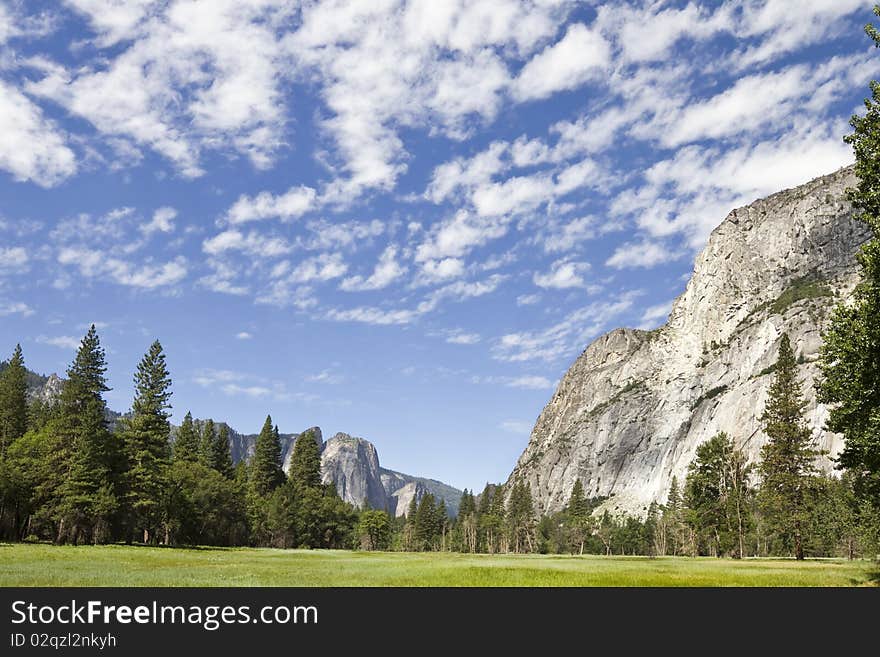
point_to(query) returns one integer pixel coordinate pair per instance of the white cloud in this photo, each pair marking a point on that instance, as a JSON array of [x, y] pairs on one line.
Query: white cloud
[[371, 315], [32, 147], [563, 274], [184, 77], [457, 336], [94, 263], [327, 377], [441, 270], [294, 203], [324, 267], [163, 221], [386, 272], [655, 315], [519, 427], [349, 234], [641, 254], [13, 259], [562, 339], [567, 234], [60, 341], [15, 308], [427, 64], [243, 335], [580, 55], [528, 299], [457, 236], [252, 243], [525, 382]]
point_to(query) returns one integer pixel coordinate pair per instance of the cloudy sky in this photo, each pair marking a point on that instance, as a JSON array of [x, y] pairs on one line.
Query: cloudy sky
[[401, 220]]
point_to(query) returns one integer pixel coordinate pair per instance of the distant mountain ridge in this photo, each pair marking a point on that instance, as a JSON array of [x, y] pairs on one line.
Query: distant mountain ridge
[[350, 463]]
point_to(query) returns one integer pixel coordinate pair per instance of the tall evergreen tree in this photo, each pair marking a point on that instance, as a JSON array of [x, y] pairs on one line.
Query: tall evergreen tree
[[87, 497], [265, 470], [221, 456], [577, 518], [788, 460], [13, 400], [521, 517], [186, 445], [850, 354], [145, 438], [305, 462], [206, 442]]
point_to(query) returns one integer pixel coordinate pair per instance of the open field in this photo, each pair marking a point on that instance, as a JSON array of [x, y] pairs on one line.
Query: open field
[[46, 565]]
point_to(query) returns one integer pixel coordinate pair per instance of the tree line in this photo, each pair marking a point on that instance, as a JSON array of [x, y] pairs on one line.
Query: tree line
[[66, 477]]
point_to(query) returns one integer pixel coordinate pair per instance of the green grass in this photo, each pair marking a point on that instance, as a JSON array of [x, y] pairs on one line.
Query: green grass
[[47, 565]]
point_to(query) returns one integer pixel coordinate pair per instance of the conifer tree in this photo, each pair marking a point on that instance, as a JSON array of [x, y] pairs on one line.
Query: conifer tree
[[87, 497], [521, 517], [265, 470], [221, 457], [305, 462], [13, 401], [850, 354], [145, 439], [186, 445], [426, 523], [206, 442], [577, 517], [787, 465]]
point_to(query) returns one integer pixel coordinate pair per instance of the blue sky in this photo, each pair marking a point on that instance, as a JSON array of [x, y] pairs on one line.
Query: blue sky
[[401, 220]]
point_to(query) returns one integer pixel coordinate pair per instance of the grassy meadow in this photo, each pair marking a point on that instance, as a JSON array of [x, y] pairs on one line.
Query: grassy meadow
[[117, 565]]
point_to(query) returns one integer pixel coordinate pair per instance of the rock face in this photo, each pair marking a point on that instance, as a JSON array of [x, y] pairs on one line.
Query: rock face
[[632, 409], [352, 465]]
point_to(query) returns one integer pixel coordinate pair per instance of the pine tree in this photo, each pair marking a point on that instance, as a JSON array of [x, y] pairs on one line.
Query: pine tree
[[87, 500], [850, 354], [426, 523], [13, 401], [521, 517], [221, 457], [787, 465], [577, 518], [305, 462], [186, 445], [206, 442], [145, 438], [674, 518], [265, 471]]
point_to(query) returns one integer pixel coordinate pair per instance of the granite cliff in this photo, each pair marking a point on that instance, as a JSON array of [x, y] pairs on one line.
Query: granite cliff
[[632, 409]]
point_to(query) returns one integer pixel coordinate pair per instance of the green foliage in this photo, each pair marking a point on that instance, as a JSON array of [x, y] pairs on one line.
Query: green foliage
[[206, 442], [802, 288], [145, 438], [202, 506], [13, 400], [717, 498], [186, 445], [86, 497], [374, 530], [578, 519], [221, 456], [706, 396], [265, 470], [850, 354], [305, 462], [788, 460]]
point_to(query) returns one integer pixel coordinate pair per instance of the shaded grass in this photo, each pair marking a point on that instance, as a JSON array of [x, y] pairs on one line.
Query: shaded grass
[[117, 565]]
